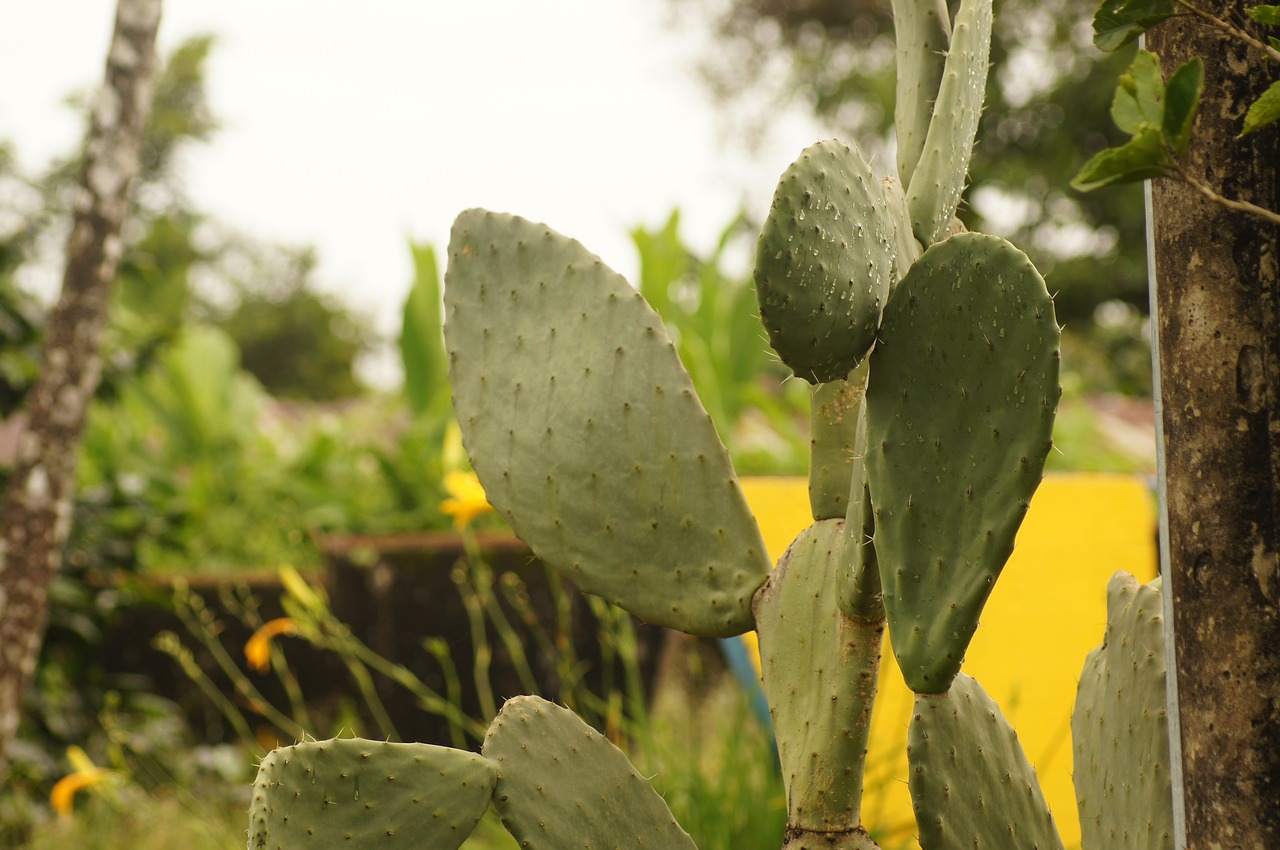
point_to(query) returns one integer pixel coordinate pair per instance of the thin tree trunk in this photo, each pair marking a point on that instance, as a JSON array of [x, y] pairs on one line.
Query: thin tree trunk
[[1217, 301], [37, 504]]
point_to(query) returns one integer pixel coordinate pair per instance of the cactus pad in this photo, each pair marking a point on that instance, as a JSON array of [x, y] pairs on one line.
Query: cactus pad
[[971, 784], [960, 408], [922, 32], [562, 785], [1120, 727], [834, 410], [357, 793], [933, 193], [586, 433], [819, 671], [824, 262]]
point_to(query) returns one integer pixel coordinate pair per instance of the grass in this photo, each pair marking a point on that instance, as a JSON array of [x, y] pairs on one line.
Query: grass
[[703, 750]]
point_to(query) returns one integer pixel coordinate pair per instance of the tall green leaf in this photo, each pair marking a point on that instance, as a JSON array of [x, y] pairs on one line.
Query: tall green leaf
[[426, 369]]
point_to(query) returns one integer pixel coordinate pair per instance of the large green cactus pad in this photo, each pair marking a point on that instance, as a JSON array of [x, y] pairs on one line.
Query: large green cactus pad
[[562, 785], [934, 190], [351, 792], [960, 407], [819, 669], [824, 262], [586, 433], [971, 784], [1120, 727]]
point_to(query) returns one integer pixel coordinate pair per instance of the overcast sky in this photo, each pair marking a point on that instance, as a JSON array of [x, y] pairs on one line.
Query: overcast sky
[[355, 125]]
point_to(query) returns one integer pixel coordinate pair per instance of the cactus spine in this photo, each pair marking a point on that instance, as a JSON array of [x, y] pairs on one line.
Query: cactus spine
[[934, 358]]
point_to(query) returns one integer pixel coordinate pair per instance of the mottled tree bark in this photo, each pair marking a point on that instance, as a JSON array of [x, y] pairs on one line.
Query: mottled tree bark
[[37, 504], [1217, 298]]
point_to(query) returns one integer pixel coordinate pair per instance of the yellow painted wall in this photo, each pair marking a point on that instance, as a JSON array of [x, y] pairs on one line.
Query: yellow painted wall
[[1047, 611]]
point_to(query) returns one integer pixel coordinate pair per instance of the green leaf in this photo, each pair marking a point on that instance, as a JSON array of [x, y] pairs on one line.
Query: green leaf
[[1141, 158], [1182, 99], [1265, 110], [1119, 22], [1143, 81], [1265, 15], [1275, 42], [1125, 110], [426, 380]]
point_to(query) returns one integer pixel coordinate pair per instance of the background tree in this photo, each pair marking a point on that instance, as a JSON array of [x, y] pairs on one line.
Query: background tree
[[37, 502], [1218, 327]]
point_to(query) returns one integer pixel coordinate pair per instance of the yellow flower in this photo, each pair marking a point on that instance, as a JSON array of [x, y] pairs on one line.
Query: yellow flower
[[257, 651], [466, 498], [86, 774]]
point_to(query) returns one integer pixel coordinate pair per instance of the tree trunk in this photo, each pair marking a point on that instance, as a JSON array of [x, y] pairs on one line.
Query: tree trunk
[[1216, 302], [37, 503]]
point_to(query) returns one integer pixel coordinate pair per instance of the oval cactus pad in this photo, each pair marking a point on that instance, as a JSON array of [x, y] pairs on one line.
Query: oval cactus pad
[[586, 433], [1120, 727], [824, 262], [561, 784], [351, 792], [971, 784], [960, 408]]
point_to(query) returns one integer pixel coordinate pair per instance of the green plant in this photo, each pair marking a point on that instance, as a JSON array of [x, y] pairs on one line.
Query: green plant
[[934, 358], [1159, 116]]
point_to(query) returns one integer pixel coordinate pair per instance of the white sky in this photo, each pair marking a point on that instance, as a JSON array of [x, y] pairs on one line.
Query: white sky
[[354, 125]]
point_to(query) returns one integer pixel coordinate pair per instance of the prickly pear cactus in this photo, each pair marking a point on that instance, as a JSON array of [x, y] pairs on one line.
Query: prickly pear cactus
[[562, 784], [971, 784], [824, 262], [934, 358], [960, 416], [368, 794], [1120, 727]]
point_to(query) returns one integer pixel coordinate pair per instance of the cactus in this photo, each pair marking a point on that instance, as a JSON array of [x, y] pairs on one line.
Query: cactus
[[1120, 727], [934, 358]]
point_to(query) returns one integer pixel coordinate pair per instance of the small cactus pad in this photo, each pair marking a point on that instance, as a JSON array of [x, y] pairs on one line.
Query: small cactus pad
[[819, 669], [824, 262], [562, 785], [960, 408], [1120, 727], [586, 433], [934, 190], [834, 409], [906, 250], [351, 792], [971, 785], [922, 33], [858, 589]]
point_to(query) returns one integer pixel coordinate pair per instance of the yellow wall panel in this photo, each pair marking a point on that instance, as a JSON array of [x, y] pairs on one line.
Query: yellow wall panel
[[1047, 611]]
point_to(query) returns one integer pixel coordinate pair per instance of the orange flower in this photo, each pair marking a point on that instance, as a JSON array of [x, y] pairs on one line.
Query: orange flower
[[257, 651], [466, 498], [86, 774]]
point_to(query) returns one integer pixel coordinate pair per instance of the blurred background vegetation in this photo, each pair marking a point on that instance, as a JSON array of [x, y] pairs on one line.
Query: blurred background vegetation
[[232, 424]]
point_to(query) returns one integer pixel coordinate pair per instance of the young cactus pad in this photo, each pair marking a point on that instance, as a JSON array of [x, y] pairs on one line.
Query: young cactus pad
[[1120, 727], [934, 190], [971, 784], [561, 784], [820, 677], [351, 792], [824, 262], [586, 433], [960, 408]]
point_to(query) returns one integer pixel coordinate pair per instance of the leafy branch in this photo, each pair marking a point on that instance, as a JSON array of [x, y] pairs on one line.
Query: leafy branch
[[1159, 116]]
